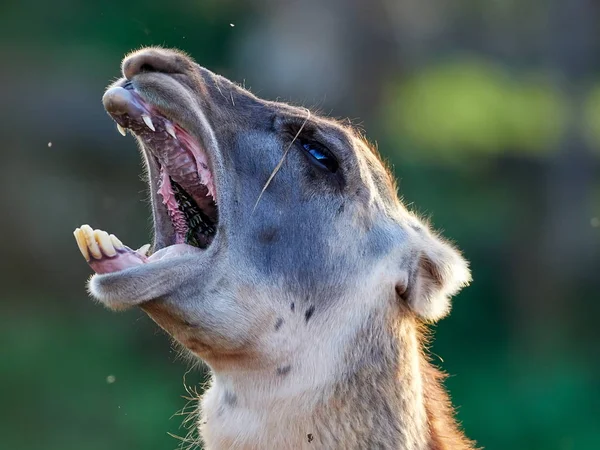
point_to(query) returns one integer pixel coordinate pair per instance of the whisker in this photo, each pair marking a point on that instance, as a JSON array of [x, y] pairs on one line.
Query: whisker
[[281, 161]]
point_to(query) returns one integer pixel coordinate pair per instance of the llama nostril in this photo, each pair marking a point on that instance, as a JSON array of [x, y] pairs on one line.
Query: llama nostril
[[147, 68], [152, 60]]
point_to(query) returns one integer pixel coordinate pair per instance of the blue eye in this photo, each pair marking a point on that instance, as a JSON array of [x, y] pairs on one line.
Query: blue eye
[[321, 156]]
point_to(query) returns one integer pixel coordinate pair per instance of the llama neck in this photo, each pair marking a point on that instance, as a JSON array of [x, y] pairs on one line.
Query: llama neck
[[408, 388], [396, 381], [382, 395], [386, 395], [413, 412]]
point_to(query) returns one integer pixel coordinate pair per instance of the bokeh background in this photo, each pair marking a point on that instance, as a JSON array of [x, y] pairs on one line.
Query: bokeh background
[[489, 112]]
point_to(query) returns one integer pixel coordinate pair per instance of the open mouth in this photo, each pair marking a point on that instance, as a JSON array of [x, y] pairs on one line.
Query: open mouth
[[185, 184]]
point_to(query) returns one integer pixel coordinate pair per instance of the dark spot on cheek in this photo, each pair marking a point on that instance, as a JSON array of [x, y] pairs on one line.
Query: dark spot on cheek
[[229, 401], [278, 324], [284, 370], [267, 236], [340, 209], [230, 398], [310, 437], [309, 312], [293, 306]]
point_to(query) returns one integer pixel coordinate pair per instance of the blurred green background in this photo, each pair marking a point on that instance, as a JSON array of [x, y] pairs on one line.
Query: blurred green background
[[489, 112]]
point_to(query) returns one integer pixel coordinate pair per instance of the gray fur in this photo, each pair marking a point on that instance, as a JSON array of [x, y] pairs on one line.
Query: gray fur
[[336, 258]]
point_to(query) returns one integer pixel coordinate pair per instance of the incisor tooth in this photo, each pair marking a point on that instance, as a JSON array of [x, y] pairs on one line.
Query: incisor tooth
[[121, 130], [105, 243], [148, 121], [81, 243], [116, 242], [143, 250], [90, 240], [170, 129]]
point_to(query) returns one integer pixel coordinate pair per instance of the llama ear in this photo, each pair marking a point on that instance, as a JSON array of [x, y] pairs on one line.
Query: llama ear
[[435, 272]]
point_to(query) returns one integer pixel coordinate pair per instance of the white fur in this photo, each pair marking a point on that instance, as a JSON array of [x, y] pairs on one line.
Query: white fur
[[274, 412]]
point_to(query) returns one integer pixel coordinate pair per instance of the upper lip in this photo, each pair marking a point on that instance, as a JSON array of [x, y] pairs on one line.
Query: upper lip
[[119, 100]]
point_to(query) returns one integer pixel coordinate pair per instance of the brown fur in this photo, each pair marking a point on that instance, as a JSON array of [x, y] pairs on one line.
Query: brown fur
[[445, 431]]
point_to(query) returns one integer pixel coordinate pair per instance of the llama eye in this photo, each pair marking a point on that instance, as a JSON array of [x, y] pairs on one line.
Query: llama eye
[[320, 156]]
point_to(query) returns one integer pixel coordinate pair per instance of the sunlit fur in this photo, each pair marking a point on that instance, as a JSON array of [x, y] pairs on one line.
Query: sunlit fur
[[309, 309]]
